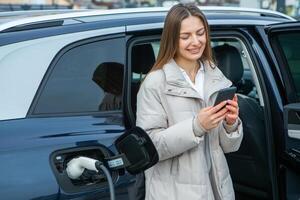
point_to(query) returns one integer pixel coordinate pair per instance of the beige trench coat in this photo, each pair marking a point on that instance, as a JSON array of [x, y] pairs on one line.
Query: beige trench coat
[[166, 106]]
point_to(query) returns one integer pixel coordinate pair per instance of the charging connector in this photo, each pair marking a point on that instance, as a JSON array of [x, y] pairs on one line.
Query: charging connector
[[76, 166]]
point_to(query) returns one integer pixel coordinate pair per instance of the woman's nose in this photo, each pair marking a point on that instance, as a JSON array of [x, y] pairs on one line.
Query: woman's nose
[[195, 39]]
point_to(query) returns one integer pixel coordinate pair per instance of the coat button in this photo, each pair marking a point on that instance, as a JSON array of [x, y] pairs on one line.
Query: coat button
[[184, 92], [169, 90]]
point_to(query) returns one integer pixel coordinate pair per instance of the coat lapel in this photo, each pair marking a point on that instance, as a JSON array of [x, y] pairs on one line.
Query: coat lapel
[[176, 83]]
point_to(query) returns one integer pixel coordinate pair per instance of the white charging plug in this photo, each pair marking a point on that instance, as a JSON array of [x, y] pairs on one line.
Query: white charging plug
[[76, 166]]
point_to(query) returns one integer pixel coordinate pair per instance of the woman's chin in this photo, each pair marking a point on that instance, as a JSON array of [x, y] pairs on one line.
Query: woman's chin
[[193, 57]]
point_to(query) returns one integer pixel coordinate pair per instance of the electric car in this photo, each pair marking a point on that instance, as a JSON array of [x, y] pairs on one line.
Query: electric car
[[68, 86]]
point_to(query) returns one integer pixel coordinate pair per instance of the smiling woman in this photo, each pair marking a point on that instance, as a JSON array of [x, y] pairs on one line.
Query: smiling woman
[[192, 43], [62, 97], [175, 106]]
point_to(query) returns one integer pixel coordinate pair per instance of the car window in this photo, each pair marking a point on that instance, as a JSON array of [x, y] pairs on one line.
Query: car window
[[231, 52], [155, 45], [152, 48], [226, 50], [86, 78], [289, 42]]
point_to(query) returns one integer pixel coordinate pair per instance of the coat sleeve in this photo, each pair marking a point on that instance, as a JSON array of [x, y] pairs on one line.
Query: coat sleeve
[[151, 116], [231, 139]]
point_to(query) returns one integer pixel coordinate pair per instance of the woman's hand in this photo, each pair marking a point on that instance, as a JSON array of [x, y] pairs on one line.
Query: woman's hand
[[210, 117], [233, 111]]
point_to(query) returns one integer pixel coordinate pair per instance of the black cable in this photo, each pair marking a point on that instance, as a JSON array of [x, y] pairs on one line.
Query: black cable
[[99, 165]]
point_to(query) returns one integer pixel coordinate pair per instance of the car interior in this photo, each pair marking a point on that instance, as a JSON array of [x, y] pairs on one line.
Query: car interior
[[249, 165], [252, 155], [142, 59]]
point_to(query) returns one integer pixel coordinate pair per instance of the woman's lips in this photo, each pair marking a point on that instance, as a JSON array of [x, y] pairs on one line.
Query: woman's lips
[[193, 51]]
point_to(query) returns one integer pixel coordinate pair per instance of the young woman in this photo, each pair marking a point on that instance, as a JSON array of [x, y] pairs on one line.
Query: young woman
[[174, 106]]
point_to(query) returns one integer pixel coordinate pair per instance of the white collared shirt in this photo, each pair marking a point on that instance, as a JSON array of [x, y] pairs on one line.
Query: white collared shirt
[[199, 80]]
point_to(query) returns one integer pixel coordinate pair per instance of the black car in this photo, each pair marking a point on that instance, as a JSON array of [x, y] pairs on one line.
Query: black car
[[68, 84]]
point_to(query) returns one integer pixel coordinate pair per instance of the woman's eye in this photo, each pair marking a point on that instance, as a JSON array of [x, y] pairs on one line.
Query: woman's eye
[[201, 33], [184, 37]]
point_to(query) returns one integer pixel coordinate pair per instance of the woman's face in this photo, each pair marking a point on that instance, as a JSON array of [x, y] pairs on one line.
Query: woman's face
[[192, 39]]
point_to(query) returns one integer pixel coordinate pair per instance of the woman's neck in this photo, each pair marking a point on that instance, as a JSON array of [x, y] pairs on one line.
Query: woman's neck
[[191, 67]]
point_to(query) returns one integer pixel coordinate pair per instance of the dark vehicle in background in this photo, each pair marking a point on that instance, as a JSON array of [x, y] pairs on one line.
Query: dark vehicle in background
[[68, 85]]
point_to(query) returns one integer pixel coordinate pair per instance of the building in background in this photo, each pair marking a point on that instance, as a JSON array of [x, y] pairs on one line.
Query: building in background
[[290, 7], [17, 5], [48, 2]]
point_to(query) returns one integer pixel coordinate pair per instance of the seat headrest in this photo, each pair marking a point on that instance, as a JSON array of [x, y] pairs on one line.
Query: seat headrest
[[109, 76], [143, 58], [229, 62]]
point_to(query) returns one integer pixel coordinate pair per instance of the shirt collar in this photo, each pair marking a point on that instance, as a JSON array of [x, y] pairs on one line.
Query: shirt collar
[[175, 76]]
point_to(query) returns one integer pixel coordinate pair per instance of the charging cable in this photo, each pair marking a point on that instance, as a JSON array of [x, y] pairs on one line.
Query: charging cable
[[76, 166]]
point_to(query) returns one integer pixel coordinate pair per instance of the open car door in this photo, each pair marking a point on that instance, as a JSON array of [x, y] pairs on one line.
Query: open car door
[[285, 42]]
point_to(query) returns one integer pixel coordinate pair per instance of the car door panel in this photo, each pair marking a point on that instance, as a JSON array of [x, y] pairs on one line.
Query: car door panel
[[25, 162], [30, 142], [284, 40], [292, 153]]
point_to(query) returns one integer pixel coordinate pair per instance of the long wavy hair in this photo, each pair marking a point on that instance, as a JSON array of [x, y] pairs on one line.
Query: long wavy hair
[[170, 35]]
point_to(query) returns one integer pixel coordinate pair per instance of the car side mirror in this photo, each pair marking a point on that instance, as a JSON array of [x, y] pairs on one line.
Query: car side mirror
[[138, 149]]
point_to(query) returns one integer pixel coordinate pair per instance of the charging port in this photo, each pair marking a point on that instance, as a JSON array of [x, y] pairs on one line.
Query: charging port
[[89, 180]]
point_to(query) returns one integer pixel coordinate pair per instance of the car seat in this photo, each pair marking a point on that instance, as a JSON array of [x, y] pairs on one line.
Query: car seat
[[248, 166], [109, 76], [142, 58]]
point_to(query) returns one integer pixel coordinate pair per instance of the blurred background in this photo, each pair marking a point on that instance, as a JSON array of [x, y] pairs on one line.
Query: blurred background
[[290, 7]]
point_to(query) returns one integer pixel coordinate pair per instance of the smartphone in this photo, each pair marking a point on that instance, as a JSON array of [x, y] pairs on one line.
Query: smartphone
[[225, 94]]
